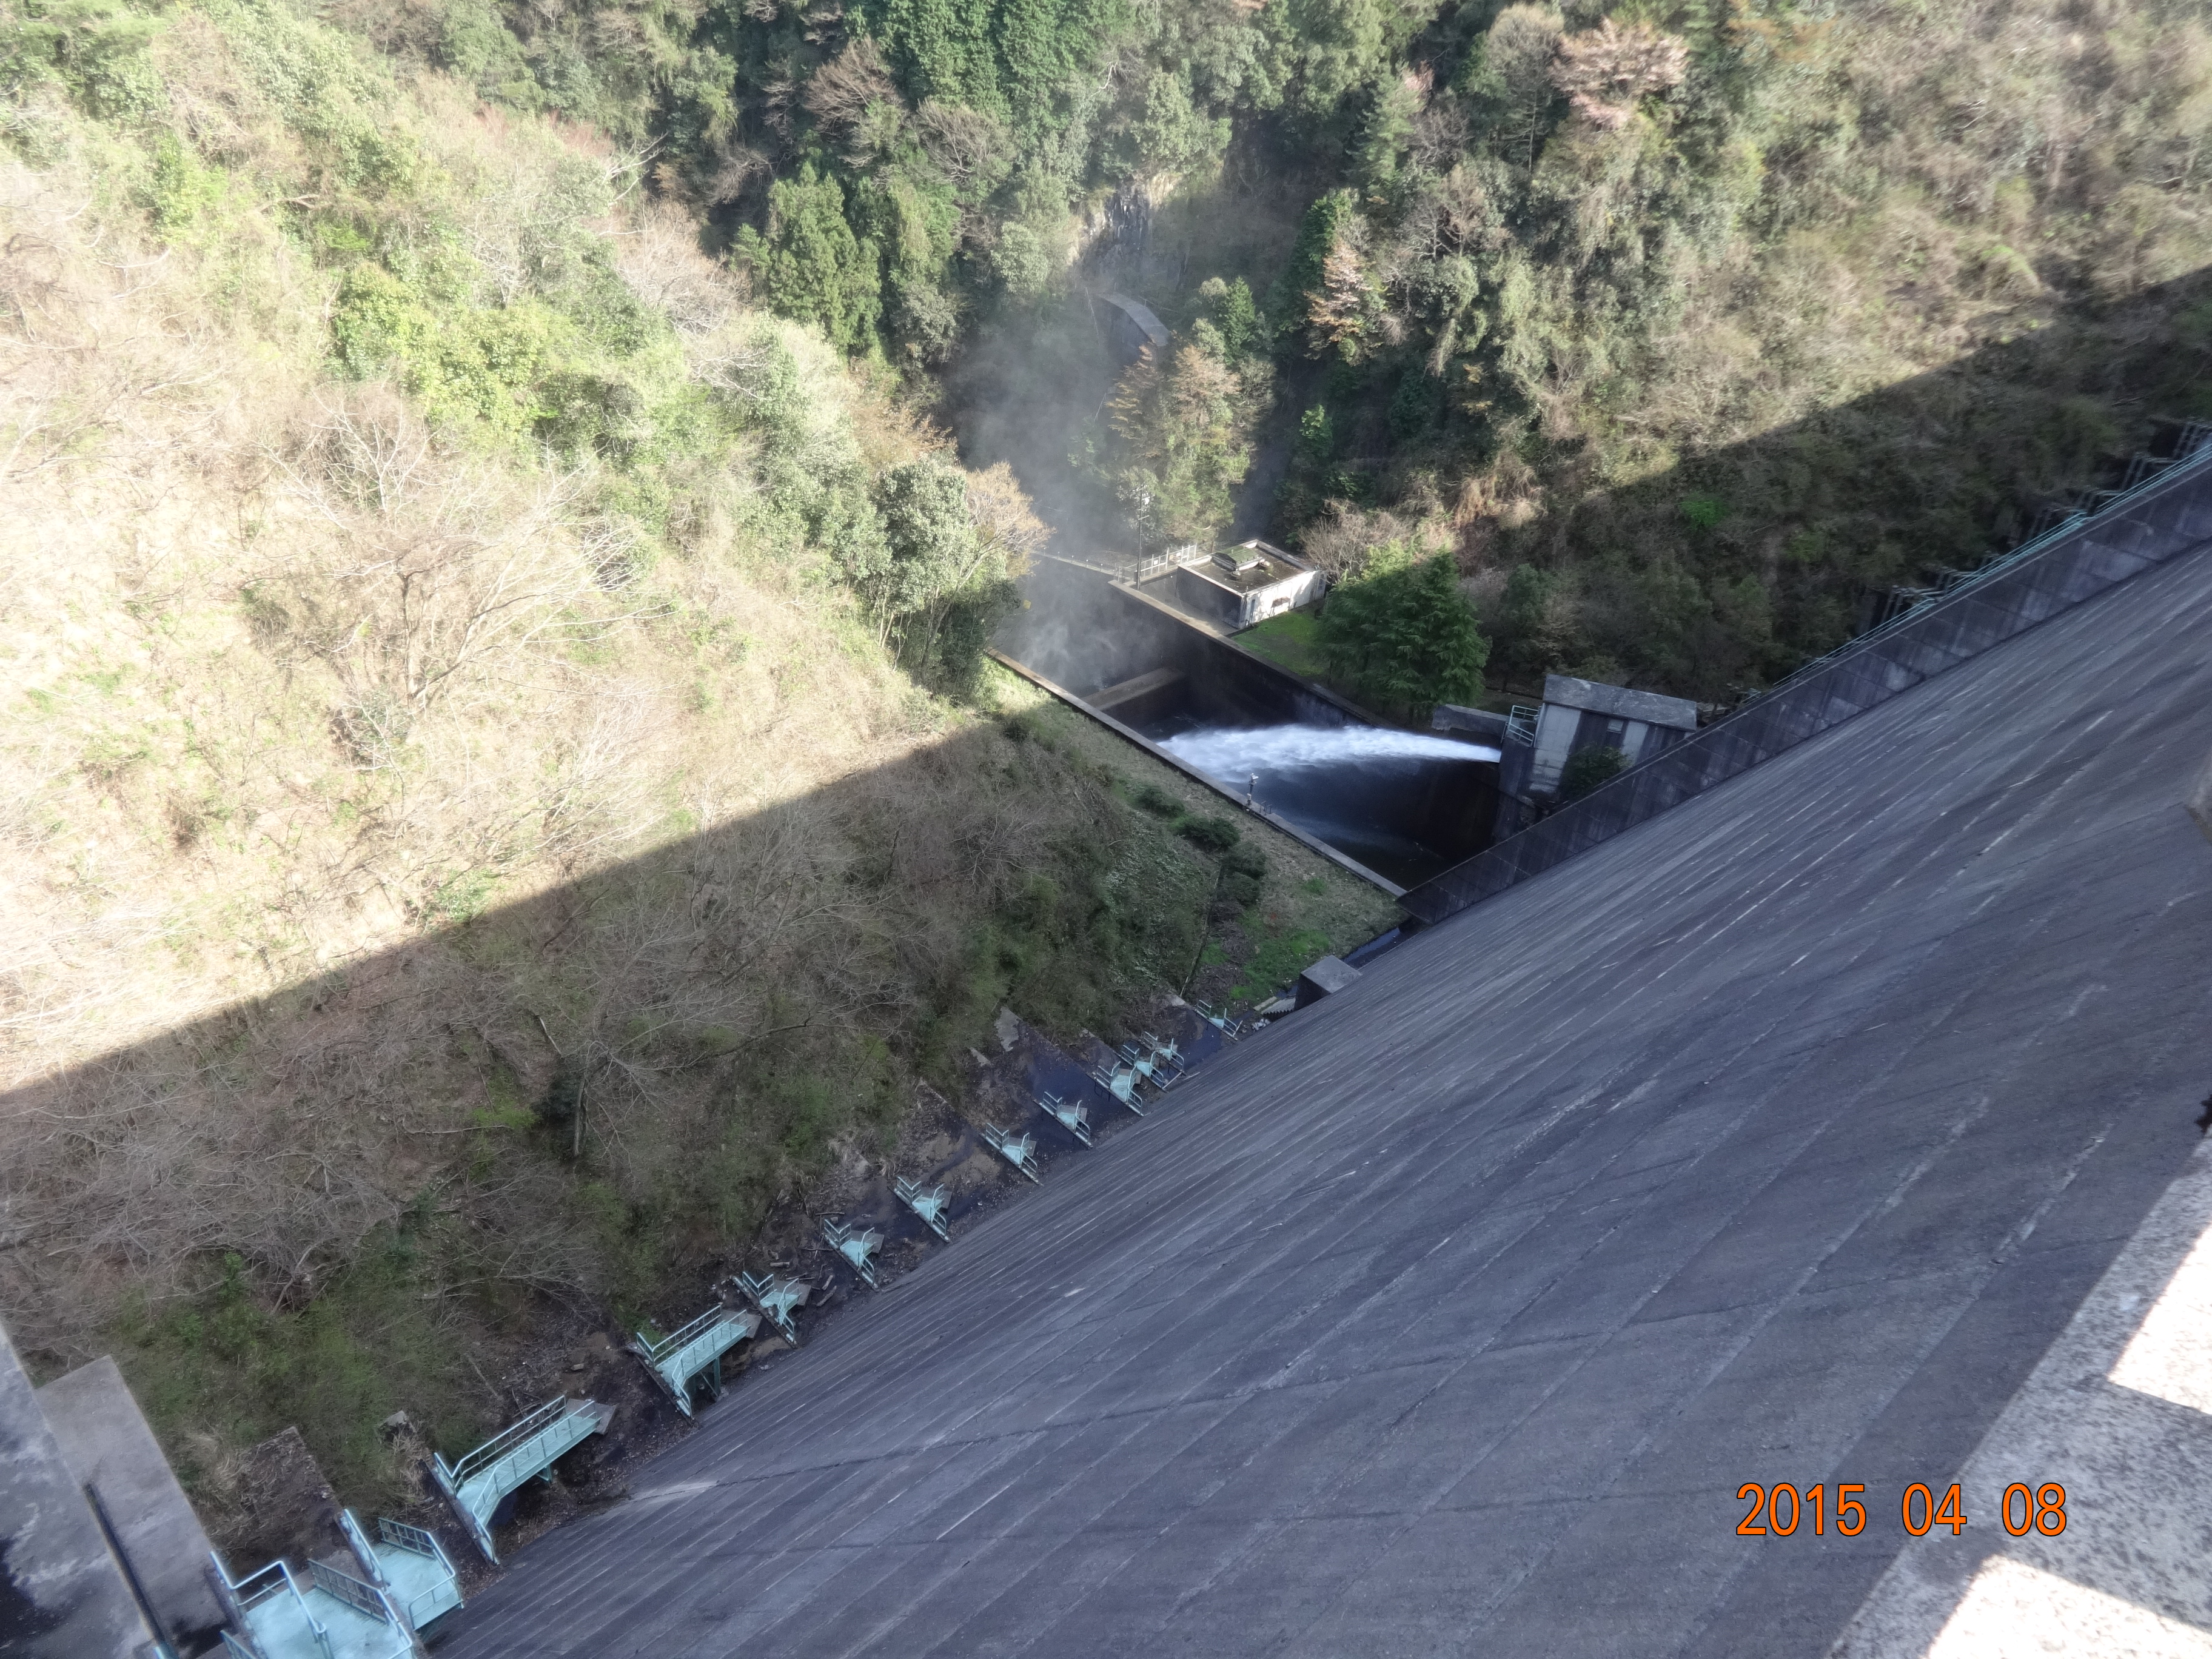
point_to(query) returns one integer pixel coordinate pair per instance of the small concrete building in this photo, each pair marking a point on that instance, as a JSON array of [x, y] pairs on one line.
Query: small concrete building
[[1243, 584], [1577, 714]]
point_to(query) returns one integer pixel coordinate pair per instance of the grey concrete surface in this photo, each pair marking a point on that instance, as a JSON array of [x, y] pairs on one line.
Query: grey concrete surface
[[1324, 978], [2118, 1417], [105, 1441], [1775, 1138], [62, 1595]]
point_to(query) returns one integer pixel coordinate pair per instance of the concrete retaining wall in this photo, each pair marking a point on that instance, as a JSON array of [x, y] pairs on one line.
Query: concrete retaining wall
[[2167, 517]]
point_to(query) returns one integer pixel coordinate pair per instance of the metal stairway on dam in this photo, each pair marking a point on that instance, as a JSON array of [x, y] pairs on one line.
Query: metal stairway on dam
[[1866, 1091], [693, 1353], [338, 1591], [481, 1482], [400, 1583], [1888, 850]]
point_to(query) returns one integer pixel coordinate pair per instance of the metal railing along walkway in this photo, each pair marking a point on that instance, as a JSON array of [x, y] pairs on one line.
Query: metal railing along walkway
[[479, 1482], [679, 1360], [407, 1565], [337, 1616]]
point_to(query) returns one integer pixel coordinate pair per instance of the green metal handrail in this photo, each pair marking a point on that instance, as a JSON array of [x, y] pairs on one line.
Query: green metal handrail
[[337, 1582], [1020, 1151], [931, 1204], [654, 1352], [417, 1539], [505, 1441]]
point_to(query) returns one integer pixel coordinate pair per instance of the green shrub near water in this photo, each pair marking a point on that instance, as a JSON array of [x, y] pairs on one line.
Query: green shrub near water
[[1215, 835], [1156, 801], [1243, 872]]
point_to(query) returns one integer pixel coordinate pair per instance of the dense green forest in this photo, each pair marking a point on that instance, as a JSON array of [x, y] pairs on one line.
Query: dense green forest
[[1682, 326]]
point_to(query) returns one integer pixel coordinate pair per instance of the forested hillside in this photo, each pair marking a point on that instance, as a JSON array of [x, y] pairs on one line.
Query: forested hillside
[[506, 504], [1681, 325]]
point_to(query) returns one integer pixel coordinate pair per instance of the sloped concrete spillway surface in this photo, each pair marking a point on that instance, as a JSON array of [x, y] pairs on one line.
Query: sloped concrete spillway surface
[[1776, 1139]]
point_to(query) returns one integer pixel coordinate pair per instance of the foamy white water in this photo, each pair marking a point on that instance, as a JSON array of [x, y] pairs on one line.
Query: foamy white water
[[1234, 754]]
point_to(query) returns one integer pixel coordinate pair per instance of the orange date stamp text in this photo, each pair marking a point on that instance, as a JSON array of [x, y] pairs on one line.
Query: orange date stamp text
[[1779, 1510]]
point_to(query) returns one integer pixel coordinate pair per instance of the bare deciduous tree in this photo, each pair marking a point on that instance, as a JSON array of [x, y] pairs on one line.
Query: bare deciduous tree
[[854, 99], [431, 564], [999, 509], [1345, 306], [1604, 71], [966, 145]]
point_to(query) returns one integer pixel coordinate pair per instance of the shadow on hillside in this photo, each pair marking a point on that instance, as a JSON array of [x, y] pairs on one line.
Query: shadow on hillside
[[417, 1179], [1719, 571], [1789, 540]]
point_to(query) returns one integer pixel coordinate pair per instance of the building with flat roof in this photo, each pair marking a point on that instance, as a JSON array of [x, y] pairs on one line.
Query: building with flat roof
[[1240, 586], [1577, 714]]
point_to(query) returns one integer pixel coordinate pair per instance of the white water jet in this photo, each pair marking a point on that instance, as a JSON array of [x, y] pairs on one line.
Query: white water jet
[[1235, 753]]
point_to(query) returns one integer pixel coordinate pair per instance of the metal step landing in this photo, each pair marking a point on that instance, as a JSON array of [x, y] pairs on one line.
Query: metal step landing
[[369, 1609], [1159, 1063], [1119, 1080], [411, 1568], [858, 1245], [1069, 1115], [694, 1353], [477, 1485], [1020, 1151], [333, 1615], [777, 1298], [932, 1204]]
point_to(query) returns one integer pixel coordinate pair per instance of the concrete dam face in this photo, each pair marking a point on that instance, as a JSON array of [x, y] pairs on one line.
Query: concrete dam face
[[1827, 1138]]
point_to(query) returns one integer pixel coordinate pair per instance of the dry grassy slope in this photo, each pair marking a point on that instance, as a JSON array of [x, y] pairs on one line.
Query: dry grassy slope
[[369, 793]]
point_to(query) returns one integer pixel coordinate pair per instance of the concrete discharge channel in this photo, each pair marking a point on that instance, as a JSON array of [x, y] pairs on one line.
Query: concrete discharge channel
[[1396, 807]]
